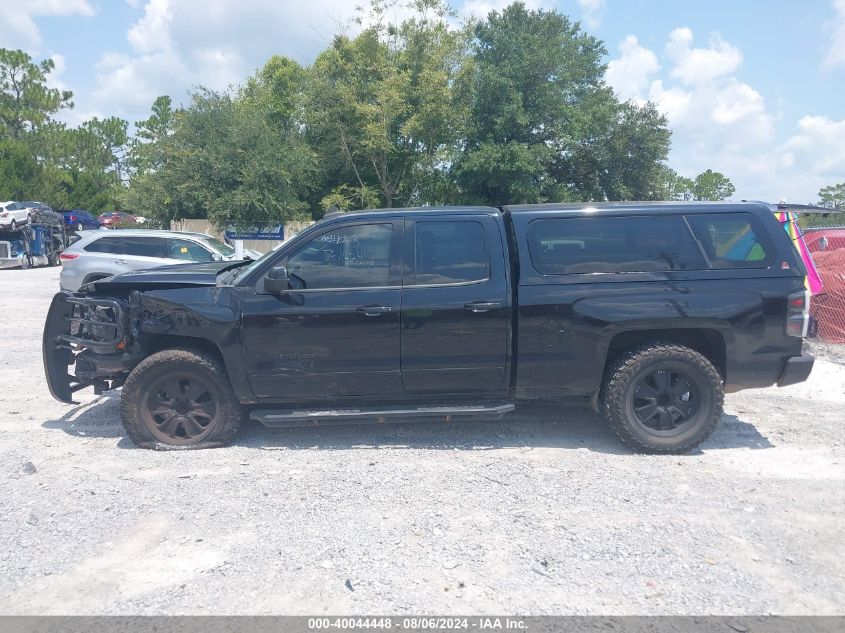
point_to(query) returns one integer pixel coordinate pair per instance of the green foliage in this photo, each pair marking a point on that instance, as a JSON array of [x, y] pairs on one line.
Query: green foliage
[[380, 109], [711, 185], [670, 186], [43, 159], [543, 125], [833, 196], [26, 102], [511, 108], [234, 158], [346, 197]]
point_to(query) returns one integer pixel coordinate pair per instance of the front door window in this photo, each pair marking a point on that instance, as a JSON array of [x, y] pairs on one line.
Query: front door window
[[355, 256]]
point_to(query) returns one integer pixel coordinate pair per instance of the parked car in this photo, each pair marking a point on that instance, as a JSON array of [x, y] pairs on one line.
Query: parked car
[[79, 219], [14, 214], [450, 314], [35, 206], [97, 255], [110, 219], [824, 239]]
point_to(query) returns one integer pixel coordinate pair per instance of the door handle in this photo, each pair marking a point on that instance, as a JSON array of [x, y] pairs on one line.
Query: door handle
[[374, 310], [482, 306], [120, 261]]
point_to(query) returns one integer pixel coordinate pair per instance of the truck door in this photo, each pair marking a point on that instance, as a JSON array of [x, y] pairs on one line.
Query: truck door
[[335, 333], [455, 305]]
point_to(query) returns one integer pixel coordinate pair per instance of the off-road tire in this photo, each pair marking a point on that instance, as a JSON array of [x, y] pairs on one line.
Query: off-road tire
[[191, 365], [625, 373]]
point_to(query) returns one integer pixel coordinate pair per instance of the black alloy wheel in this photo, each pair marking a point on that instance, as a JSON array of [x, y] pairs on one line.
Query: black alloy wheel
[[180, 410]]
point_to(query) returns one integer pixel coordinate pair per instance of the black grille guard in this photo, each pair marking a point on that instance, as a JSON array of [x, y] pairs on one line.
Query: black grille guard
[[60, 345], [100, 346]]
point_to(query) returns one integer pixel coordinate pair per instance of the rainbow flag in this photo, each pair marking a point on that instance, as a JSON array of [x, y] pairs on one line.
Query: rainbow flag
[[789, 220]]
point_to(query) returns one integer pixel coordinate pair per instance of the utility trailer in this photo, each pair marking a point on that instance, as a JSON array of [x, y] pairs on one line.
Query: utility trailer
[[38, 243]]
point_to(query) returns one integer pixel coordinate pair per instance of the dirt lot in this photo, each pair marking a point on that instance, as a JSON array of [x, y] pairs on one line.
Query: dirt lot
[[540, 513]]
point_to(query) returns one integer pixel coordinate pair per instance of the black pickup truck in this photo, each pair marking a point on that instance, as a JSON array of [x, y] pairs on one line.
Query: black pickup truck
[[652, 310]]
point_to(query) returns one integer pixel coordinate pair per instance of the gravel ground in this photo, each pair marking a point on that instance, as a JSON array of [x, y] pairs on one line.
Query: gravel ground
[[540, 513]]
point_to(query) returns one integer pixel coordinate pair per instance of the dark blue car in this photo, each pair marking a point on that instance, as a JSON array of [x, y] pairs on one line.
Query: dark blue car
[[79, 220]]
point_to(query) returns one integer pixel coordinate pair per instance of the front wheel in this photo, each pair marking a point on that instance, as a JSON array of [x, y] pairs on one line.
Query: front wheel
[[179, 398], [663, 398]]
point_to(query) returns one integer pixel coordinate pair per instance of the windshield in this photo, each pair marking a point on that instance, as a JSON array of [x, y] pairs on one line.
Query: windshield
[[221, 247]]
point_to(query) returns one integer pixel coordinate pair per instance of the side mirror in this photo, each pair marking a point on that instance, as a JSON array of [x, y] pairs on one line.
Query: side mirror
[[276, 280], [823, 244], [217, 257]]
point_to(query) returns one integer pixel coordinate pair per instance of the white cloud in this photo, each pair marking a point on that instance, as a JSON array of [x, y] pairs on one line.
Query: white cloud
[[820, 144], [720, 122], [592, 12], [152, 32], [54, 78], [836, 54], [172, 51], [631, 74], [695, 66], [17, 20]]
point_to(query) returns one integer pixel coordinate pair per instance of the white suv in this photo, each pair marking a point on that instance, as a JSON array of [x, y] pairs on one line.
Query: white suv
[[14, 214], [100, 254]]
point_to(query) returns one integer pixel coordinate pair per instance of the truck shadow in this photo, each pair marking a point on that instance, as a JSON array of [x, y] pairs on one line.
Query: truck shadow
[[565, 425]]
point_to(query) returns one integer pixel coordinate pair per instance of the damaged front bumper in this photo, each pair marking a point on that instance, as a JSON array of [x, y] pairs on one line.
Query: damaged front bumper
[[92, 335]]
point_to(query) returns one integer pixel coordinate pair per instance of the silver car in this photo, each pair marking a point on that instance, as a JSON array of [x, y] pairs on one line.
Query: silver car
[[100, 254]]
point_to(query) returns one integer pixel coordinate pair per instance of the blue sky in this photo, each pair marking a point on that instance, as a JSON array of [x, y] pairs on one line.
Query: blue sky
[[754, 89]]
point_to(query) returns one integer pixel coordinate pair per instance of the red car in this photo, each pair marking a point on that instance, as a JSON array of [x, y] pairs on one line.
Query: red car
[[111, 219], [824, 239]]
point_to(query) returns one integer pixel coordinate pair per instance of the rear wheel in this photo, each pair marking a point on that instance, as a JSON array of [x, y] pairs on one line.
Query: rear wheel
[[179, 399], [79, 227], [663, 398], [13, 225]]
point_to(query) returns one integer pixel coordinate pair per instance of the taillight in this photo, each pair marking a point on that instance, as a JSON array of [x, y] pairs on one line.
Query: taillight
[[798, 313], [73, 218], [68, 255]]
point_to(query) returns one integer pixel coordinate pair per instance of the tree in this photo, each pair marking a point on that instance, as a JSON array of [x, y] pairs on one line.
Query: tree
[[833, 196], [19, 170], [711, 185], [84, 165], [233, 158], [671, 186], [639, 141], [542, 124], [26, 102], [146, 151], [380, 106]]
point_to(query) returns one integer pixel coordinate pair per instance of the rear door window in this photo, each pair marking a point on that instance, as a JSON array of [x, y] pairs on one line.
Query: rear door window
[[732, 240], [112, 245], [145, 247], [449, 252], [560, 246]]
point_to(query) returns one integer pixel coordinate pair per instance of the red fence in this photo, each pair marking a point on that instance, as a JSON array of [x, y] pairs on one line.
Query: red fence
[[828, 307]]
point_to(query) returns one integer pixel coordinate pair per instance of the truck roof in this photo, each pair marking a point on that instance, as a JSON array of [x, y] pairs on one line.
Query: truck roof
[[621, 208], [463, 210], [615, 208]]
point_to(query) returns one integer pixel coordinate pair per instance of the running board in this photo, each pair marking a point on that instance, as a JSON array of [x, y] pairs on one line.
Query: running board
[[381, 415]]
